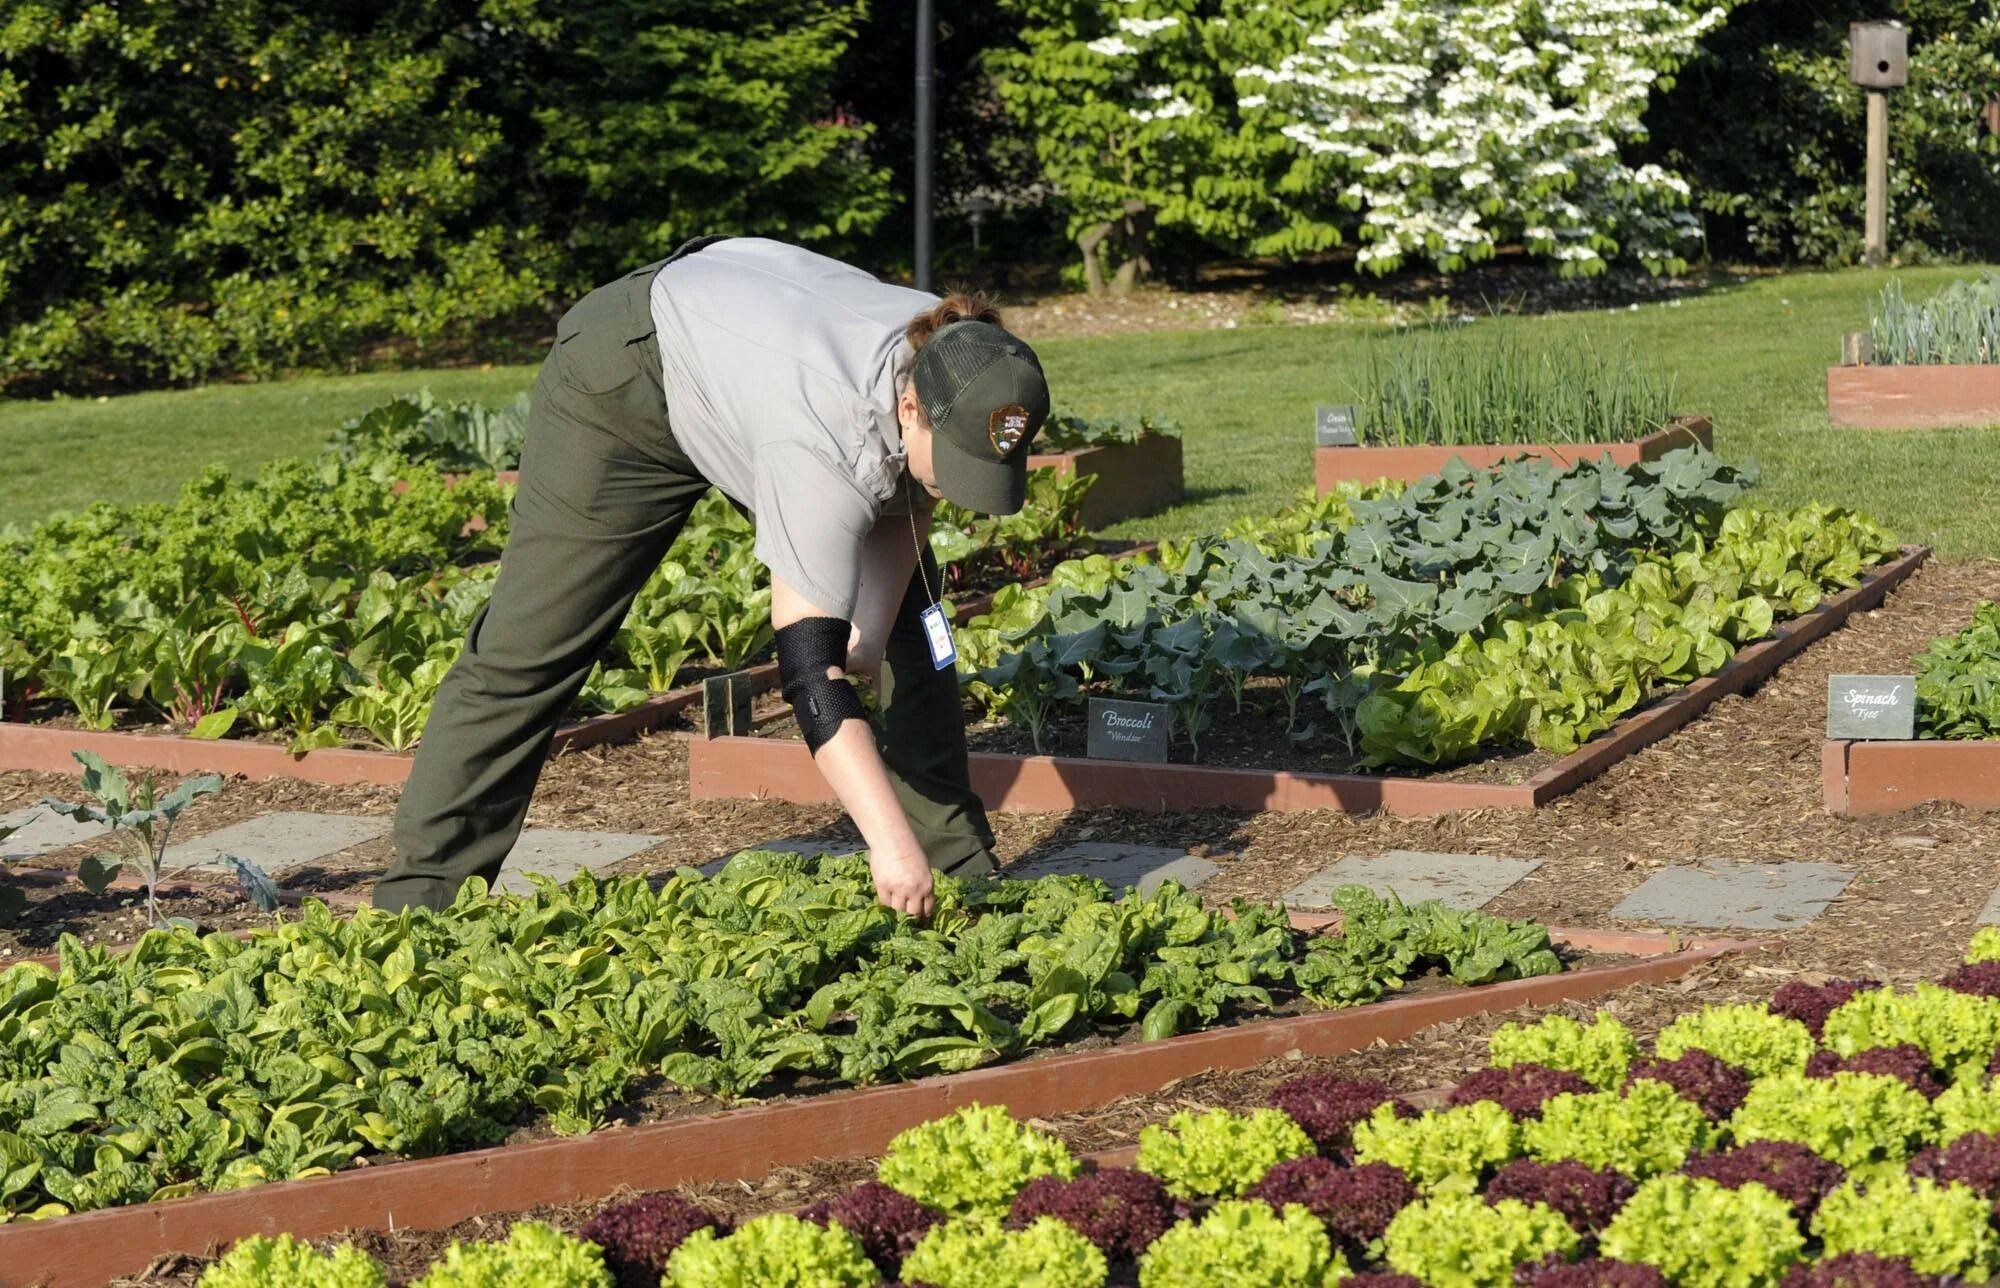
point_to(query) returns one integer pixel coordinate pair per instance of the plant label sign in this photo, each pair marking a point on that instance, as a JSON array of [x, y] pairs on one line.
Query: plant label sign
[[1129, 730], [1871, 706], [1333, 425], [725, 705]]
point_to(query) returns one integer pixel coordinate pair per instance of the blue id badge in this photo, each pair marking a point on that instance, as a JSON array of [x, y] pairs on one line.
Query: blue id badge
[[937, 633]]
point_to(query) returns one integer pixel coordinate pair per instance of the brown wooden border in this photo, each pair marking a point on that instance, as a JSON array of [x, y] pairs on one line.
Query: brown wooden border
[[1884, 777], [742, 1143], [724, 768], [1133, 479], [1332, 465], [1915, 396]]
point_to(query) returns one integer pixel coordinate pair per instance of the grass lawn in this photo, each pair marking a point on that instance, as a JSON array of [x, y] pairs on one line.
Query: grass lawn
[[1752, 356]]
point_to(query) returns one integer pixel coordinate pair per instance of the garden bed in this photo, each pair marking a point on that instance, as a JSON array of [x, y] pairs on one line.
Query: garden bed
[[743, 1143], [781, 768], [48, 747], [1363, 464], [1913, 396], [1132, 479], [1884, 777]]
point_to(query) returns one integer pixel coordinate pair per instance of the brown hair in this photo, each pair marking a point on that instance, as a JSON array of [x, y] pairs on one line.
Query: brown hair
[[959, 306]]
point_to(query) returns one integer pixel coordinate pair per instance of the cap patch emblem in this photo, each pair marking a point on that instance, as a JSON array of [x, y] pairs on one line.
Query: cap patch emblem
[[1006, 427]]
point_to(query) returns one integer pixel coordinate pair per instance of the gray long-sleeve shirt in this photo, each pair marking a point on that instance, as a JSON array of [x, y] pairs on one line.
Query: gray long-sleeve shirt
[[782, 369]]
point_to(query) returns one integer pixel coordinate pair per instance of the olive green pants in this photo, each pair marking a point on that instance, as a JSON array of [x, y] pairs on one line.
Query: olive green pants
[[604, 491]]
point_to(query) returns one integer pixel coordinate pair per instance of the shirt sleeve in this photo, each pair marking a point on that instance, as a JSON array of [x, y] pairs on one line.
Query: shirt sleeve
[[811, 520]]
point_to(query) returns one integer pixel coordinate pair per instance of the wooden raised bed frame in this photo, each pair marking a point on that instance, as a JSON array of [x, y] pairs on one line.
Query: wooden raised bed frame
[[1141, 477], [1913, 396], [1884, 777], [1332, 465], [724, 768], [744, 1143]]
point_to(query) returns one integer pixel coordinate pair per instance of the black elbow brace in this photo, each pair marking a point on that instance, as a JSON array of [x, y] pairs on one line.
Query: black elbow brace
[[806, 649]]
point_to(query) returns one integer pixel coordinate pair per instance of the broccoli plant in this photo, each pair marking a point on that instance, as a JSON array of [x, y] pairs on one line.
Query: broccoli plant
[[142, 822]]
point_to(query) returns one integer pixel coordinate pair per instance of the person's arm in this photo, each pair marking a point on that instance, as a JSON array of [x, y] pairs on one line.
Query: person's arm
[[889, 556], [851, 765]]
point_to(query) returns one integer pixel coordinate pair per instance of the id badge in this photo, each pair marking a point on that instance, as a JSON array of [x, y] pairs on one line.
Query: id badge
[[937, 633]]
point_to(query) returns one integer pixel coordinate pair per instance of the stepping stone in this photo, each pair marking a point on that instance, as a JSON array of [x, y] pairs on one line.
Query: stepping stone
[[1467, 881], [47, 832], [1120, 866], [561, 855], [1990, 914], [277, 843], [1746, 896]]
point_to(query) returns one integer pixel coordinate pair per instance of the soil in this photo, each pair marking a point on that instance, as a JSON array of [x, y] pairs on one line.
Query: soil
[[1741, 782]]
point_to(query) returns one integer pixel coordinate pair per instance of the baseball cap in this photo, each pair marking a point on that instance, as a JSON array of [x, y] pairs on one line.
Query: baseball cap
[[982, 388]]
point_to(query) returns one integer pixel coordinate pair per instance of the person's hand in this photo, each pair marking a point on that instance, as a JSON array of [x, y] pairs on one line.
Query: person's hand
[[903, 880]]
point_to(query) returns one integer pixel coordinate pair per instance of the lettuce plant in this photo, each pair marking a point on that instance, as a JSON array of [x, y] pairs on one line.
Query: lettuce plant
[[1958, 1031], [1940, 1229], [1443, 1151], [1648, 1130], [639, 1235], [1462, 1241], [1810, 1004], [1907, 1064], [1853, 1119], [265, 1262], [1786, 1168], [533, 1253], [1982, 979], [1972, 1160], [1120, 1209], [1858, 1270], [1247, 1244], [1985, 946], [774, 1251], [1717, 1086], [1700, 1232], [1329, 1107], [1750, 1037], [979, 1252], [1520, 1089], [1586, 1197], [1219, 1153], [975, 1159], [1355, 1203], [1968, 1105], [1591, 1272], [1600, 1053], [888, 1222]]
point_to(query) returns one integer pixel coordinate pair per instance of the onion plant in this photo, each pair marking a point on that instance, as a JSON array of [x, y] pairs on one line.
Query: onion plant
[[1455, 387], [1959, 324]]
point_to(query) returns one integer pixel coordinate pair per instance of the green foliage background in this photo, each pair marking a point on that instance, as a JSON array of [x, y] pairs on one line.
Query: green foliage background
[[1768, 130], [255, 185]]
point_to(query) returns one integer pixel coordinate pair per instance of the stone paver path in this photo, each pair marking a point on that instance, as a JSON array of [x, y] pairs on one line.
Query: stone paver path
[[278, 843], [1144, 866], [560, 855], [1736, 895], [1990, 914], [47, 832], [1467, 881]]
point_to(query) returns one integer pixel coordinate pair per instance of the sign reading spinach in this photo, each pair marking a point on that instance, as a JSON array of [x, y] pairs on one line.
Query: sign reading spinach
[[1871, 706]]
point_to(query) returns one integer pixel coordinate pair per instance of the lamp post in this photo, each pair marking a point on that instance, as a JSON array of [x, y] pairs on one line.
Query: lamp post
[[920, 199], [976, 208], [1878, 61]]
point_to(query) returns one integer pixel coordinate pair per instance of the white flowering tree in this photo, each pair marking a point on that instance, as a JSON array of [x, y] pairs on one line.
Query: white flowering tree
[[1133, 104], [1456, 127]]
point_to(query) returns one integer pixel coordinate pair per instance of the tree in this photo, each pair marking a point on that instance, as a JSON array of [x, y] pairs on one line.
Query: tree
[[1138, 125]]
